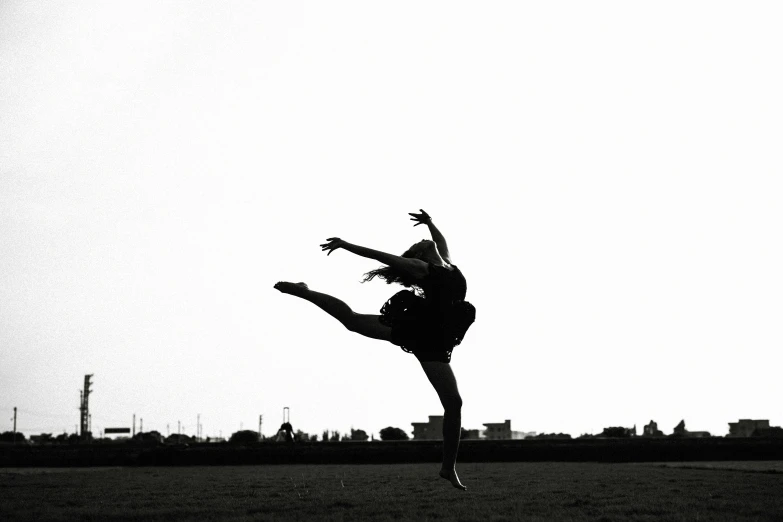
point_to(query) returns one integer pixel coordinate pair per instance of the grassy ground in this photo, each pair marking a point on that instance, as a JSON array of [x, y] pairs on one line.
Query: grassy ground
[[496, 491]]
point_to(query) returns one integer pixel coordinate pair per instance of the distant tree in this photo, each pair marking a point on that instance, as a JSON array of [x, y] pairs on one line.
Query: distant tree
[[335, 436], [390, 433], [181, 438], [325, 436], [301, 436], [313, 438], [244, 437], [148, 436], [359, 434], [552, 436], [8, 436]]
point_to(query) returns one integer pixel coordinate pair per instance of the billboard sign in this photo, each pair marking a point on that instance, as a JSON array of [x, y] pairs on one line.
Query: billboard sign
[[117, 430]]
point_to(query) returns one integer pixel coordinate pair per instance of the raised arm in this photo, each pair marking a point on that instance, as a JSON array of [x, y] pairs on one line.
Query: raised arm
[[417, 268], [436, 234]]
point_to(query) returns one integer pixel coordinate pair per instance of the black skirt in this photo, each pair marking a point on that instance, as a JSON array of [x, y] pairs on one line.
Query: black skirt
[[429, 334]]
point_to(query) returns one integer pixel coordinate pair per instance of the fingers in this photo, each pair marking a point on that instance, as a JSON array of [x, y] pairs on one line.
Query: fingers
[[330, 246]]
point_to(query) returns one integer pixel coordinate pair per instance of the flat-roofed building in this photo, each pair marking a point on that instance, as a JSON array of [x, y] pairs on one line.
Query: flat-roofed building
[[746, 427], [498, 430], [431, 430]]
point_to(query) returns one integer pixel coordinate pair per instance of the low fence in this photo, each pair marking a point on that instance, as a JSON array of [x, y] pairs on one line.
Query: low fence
[[582, 450]]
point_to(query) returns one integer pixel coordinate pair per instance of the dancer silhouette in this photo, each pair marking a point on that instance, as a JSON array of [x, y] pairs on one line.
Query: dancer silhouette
[[428, 321]]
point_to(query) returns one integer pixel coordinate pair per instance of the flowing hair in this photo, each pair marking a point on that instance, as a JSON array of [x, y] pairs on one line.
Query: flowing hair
[[390, 275]]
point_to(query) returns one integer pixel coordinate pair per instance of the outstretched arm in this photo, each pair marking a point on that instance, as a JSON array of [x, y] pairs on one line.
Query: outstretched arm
[[436, 234], [417, 268]]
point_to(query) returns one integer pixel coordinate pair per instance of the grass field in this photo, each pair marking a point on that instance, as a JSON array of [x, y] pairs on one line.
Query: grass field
[[729, 491]]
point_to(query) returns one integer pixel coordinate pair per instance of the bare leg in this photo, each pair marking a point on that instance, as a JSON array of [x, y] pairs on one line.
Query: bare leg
[[442, 378], [364, 324]]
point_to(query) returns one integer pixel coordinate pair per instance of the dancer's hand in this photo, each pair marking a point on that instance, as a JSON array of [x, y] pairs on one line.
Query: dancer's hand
[[333, 244], [422, 218]]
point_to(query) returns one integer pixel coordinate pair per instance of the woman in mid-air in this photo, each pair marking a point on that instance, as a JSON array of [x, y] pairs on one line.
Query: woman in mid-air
[[427, 321]]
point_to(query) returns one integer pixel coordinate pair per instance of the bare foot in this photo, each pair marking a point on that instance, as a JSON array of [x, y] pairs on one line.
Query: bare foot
[[451, 476], [296, 289]]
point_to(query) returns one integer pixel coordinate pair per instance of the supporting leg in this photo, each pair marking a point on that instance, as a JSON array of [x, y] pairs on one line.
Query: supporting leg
[[442, 378], [364, 324]]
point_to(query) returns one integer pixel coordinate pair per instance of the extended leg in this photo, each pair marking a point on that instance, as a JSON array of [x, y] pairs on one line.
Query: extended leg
[[442, 378], [364, 324]]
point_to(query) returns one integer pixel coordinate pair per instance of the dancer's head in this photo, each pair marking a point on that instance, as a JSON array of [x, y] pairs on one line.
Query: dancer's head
[[426, 250]]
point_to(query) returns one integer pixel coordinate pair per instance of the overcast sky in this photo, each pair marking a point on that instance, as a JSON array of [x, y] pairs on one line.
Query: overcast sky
[[607, 174]]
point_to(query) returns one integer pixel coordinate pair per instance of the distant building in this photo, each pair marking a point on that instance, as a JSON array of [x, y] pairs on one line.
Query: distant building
[[651, 430], [498, 430], [680, 431], [470, 434], [772, 431], [746, 427], [43, 438], [432, 430]]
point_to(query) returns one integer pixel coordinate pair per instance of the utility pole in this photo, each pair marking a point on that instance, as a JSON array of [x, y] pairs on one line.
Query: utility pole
[[14, 424], [260, 422], [198, 427], [141, 425], [179, 432], [134, 425]]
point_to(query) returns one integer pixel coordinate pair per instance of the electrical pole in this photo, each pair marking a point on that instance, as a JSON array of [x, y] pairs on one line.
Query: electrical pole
[[134, 425], [141, 425], [14, 424], [179, 431], [260, 422], [198, 427]]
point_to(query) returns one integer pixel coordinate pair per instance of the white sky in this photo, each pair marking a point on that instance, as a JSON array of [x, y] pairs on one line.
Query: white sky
[[608, 175]]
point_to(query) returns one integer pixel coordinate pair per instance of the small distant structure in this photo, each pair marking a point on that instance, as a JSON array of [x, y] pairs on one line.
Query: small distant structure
[[746, 427], [430, 430], [651, 430], [286, 431], [498, 430], [470, 434], [680, 431]]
